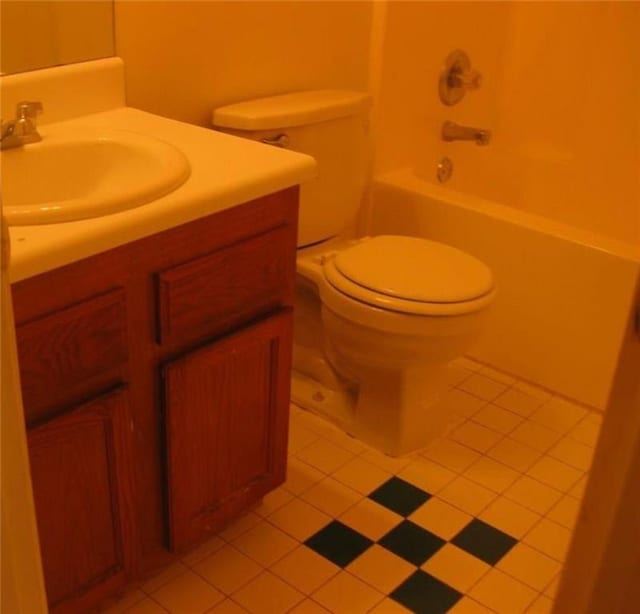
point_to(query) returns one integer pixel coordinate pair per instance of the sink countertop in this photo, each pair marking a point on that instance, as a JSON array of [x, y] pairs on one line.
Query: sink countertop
[[225, 171]]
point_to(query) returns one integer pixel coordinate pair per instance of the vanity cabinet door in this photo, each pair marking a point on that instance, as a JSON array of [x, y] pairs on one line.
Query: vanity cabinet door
[[226, 410], [79, 469]]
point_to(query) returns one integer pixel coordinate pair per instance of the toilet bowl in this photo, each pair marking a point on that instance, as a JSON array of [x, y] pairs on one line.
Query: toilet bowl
[[394, 311], [376, 319]]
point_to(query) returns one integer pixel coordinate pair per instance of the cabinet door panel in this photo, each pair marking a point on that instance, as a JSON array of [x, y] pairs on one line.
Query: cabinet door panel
[[227, 409], [83, 501]]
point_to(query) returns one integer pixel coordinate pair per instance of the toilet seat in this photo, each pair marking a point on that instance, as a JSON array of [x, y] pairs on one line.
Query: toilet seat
[[411, 275]]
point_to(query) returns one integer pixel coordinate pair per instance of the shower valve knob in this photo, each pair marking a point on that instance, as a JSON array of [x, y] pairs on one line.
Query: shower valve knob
[[466, 79], [457, 77]]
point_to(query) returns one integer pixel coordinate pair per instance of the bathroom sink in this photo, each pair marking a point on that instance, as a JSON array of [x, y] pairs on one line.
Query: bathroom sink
[[91, 173]]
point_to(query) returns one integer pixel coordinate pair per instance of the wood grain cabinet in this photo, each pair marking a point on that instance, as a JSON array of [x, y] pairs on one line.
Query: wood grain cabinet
[[155, 381]]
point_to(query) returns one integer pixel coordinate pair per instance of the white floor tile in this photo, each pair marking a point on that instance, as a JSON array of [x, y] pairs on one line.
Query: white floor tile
[[427, 475], [346, 594], [514, 454], [324, 455], [475, 436], [529, 566], [559, 414], [440, 518], [202, 551], [308, 606], [483, 387], [331, 496], [455, 375], [577, 491], [510, 517], [147, 606], [467, 496], [554, 473], [381, 569], [502, 593], [491, 474], [450, 454], [573, 453], [518, 402], [361, 476], [565, 512], [456, 567], [466, 605], [461, 403], [371, 519], [300, 436], [533, 495], [240, 526], [550, 538], [299, 519], [265, 544], [552, 589], [542, 605], [497, 419], [389, 606], [391, 464], [305, 570], [535, 435], [267, 594], [187, 594], [273, 501], [164, 576], [301, 477], [532, 390], [227, 569], [228, 606], [586, 431], [497, 376]]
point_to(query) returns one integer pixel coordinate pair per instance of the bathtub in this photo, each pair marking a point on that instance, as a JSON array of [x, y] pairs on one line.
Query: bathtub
[[564, 293]]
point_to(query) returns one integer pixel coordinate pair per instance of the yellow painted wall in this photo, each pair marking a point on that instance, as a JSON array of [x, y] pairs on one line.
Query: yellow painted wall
[[182, 59], [561, 93]]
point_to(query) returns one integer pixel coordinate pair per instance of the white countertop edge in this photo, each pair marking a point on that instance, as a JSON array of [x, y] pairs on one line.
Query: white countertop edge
[[225, 171]]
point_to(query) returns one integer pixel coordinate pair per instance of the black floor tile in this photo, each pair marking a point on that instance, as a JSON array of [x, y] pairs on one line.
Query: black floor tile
[[484, 541], [400, 496], [411, 542], [424, 594], [338, 543]]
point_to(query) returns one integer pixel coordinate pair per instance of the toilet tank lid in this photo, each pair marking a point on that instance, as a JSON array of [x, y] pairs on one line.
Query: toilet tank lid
[[288, 110]]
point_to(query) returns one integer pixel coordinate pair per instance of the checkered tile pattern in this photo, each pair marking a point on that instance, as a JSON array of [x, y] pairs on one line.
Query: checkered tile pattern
[[420, 591], [478, 522]]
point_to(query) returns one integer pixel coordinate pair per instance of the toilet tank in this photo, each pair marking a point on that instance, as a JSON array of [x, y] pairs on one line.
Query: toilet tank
[[331, 126]]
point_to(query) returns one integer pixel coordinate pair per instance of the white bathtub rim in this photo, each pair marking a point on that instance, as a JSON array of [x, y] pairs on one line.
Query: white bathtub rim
[[404, 179]]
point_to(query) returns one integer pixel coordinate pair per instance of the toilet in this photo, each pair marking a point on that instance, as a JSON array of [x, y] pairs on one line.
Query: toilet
[[377, 319]]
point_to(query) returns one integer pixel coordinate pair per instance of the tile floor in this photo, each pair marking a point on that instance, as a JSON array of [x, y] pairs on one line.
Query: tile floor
[[478, 522]]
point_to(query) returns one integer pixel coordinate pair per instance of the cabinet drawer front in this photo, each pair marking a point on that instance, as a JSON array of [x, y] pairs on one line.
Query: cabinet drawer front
[[72, 351], [226, 288]]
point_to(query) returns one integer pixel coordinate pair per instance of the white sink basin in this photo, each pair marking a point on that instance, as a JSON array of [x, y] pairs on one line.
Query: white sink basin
[[91, 173]]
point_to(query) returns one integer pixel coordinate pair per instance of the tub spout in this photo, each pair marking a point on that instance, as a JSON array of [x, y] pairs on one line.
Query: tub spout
[[455, 132]]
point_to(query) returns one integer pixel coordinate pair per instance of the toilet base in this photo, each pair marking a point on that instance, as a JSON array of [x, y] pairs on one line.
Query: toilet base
[[391, 413]]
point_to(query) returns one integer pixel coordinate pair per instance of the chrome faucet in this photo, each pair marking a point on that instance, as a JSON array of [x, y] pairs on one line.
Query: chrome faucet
[[455, 132], [21, 130]]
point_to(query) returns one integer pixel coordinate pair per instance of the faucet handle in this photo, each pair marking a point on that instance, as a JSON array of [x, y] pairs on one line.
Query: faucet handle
[[469, 79], [28, 109]]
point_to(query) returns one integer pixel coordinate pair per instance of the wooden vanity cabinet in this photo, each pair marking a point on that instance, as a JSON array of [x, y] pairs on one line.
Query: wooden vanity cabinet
[[155, 382]]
